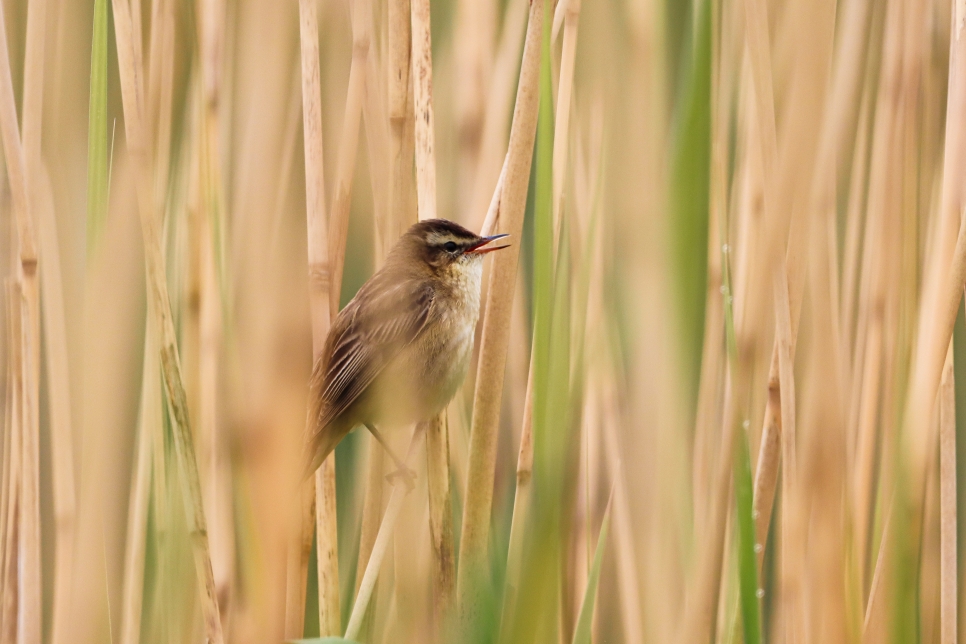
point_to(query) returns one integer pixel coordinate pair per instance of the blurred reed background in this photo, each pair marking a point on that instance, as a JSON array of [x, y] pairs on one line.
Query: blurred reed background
[[717, 376]]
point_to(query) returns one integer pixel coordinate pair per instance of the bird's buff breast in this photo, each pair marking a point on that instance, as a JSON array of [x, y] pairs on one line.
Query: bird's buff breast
[[414, 388]]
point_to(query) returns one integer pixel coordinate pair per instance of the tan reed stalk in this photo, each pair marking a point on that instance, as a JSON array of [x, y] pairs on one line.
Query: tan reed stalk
[[936, 287], [164, 101], [871, 320], [853, 226], [58, 387], [423, 104], [321, 287], [348, 145], [474, 32], [496, 328], [497, 114], [401, 117], [712, 350], [150, 414], [401, 125], [8, 482], [376, 118], [29, 615], [217, 492], [702, 600], [437, 434], [570, 10], [837, 116], [948, 602], [627, 579], [381, 544], [9, 573], [131, 73], [55, 327]]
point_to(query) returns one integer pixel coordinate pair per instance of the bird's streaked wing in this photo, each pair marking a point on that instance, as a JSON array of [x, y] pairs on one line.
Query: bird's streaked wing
[[386, 315]]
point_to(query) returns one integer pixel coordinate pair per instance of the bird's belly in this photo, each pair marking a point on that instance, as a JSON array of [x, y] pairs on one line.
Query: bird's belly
[[412, 388]]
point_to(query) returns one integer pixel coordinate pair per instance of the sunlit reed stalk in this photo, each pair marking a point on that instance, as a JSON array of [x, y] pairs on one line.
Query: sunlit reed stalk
[[149, 416], [29, 611], [569, 12], [495, 338], [131, 73], [320, 302], [399, 101], [871, 323], [348, 145], [211, 274], [628, 581], [54, 322], [947, 494], [837, 113], [13, 456], [437, 431], [496, 116], [368, 583]]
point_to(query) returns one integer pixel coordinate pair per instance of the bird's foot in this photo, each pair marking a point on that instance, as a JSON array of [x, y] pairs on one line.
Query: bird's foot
[[407, 475]]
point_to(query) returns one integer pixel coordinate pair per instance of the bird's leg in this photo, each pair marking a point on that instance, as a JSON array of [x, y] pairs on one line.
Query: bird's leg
[[402, 471]]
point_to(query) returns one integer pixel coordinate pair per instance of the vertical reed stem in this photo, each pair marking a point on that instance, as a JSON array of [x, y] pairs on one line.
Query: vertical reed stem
[[948, 602], [132, 92], [496, 325]]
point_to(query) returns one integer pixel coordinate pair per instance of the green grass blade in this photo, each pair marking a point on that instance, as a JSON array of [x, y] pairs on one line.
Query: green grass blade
[[747, 560], [584, 620], [98, 169], [690, 181]]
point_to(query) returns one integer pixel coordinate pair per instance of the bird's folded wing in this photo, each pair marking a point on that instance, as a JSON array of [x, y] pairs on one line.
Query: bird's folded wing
[[380, 321]]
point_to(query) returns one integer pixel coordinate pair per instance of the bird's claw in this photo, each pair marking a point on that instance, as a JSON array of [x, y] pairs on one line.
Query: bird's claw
[[407, 475]]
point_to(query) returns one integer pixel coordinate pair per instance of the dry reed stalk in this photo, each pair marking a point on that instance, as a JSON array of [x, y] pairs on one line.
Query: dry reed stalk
[[423, 103], [401, 118], [497, 114], [29, 612], [131, 73], [381, 544], [570, 11], [474, 30], [712, 350], [217, 492], [401, 125], [376, 118], [348, 145], [495, 337], [150, 414], [837, 112], [873, 319], [437, 434], [59, 405], [942, 289], [947, 495], [627, 578], [9, 572], [54, 322], [8, 481], [853, 226], [321, 287]]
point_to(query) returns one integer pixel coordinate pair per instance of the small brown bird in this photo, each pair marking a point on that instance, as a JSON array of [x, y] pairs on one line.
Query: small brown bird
[[397, 353]]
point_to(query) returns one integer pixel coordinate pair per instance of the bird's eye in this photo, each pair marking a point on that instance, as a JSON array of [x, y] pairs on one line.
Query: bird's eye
[[450, 247]]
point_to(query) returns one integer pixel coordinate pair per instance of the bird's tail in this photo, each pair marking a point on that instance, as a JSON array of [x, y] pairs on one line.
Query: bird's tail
[[320, 445]]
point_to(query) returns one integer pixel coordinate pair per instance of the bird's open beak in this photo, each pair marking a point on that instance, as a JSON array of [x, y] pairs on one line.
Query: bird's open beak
[[481, 247]]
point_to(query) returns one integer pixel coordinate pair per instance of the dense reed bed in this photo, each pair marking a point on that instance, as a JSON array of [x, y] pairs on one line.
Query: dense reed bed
[[719, 385]]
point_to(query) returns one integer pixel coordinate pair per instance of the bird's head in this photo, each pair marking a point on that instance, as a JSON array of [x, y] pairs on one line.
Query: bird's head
[[442, 245]]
